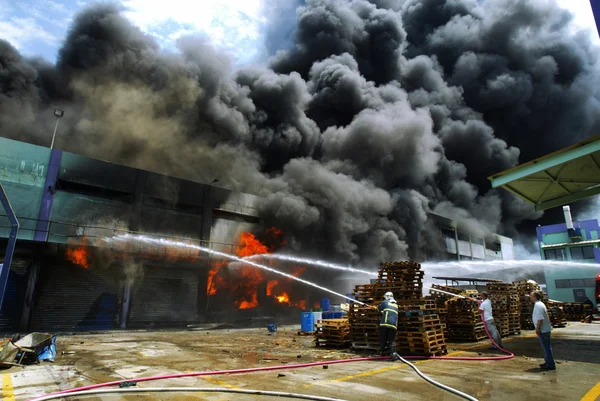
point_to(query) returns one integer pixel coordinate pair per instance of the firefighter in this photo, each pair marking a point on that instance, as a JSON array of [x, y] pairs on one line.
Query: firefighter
[[388, 325]]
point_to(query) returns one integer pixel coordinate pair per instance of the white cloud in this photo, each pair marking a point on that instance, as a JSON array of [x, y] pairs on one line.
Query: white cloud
[[230, 24], [584, 17], [20, 31]]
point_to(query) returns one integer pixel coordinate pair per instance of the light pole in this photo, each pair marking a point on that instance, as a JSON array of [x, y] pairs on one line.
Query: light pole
[[58, 113]]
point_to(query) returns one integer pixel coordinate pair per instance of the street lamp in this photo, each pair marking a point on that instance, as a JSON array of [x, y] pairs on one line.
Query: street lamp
[[58, 113]]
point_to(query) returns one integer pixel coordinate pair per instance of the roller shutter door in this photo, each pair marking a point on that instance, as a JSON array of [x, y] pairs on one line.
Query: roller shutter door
[[164, 297], [72, 298]]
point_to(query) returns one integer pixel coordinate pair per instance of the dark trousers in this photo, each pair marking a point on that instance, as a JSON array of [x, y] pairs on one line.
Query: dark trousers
[[387, 340], [547, 346]]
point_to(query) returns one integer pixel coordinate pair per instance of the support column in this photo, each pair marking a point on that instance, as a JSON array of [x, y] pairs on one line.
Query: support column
[[206, 213], [138, 197], [125, 304], [34, 272], [43, 223]]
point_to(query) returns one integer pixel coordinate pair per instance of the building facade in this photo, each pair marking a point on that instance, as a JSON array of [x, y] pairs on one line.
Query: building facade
[[463, 243], [573, 241], [64, 200]]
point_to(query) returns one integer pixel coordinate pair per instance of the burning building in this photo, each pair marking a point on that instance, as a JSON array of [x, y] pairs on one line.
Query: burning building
[[71, 273]]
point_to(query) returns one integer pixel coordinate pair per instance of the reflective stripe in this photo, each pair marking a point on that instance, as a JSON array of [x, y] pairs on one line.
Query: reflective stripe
[[391, 310], [387, 325]]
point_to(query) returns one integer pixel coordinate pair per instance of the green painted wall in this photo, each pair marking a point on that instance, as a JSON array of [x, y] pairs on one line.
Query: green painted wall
[[555, 238], [559, 273], [23, 175]]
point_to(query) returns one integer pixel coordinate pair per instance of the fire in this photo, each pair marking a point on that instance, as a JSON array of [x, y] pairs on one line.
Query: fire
[[251, 246], [243, 281], [78, 256], [283, 298]]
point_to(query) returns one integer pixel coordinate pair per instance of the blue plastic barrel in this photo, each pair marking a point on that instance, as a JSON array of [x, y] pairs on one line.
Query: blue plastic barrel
[[338, 315], [307, 324], [327, 315], [325, 304]]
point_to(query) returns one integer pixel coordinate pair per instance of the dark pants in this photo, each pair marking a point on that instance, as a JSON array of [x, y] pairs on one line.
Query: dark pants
[[387, 340], [547, 347]]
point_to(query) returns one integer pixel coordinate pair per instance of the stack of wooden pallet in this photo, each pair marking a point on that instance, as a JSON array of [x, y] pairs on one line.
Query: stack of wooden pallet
[[404, 279], [332, 333], [464, 320], [441, 299], [525, 288], [420, 330], [576, 311], [556, 313], [364, 321], [505, 306]]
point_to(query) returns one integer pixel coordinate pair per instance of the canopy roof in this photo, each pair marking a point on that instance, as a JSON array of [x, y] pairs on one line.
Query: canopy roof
[[565, 176]]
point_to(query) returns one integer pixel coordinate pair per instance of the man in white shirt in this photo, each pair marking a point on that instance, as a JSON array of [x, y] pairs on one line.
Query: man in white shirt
[[543, 328], [486, 307]]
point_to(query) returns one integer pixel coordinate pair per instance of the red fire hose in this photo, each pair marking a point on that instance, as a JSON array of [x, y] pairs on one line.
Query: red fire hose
[[281, 367]]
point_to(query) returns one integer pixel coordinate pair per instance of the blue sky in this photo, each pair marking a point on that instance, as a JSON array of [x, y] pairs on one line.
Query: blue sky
[[38, 27]]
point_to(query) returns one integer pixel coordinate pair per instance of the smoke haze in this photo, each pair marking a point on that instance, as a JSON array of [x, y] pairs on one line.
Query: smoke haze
[[368, 114]]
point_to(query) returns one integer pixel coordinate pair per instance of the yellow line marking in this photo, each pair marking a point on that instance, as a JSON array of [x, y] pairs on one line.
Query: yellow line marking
[[219, 382], [593, 394], [377, 371], [7, 387]]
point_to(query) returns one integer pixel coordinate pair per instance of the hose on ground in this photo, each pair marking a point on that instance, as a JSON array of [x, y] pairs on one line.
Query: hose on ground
[[188, 389], [440, 385], [282, 367]]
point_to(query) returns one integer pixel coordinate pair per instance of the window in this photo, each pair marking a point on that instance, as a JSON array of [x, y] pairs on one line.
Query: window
[[555, 254], [582, 252], [493, 246], [477, 240], [576, 283], [446, 232], [463, 236]]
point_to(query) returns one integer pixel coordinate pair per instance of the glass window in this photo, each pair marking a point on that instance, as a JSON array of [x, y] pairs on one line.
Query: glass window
[[549, 254], [590, 282], [562, 283], [578, 282], [463, 236], [588, 252], [577, 253], [447, 232], [477, 240]]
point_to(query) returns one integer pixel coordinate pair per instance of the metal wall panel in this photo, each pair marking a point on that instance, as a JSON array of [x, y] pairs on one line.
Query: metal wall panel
[[72, 298], [14, 297], [164, 296]]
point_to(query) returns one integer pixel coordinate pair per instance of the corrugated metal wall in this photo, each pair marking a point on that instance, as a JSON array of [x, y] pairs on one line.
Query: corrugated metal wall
[[14, 297], [71, 297], [164, 296]]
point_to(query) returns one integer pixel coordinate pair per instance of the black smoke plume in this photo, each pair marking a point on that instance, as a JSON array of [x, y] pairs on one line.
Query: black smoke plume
[[368, 116]]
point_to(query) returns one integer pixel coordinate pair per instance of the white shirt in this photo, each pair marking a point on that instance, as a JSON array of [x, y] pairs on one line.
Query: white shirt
[[541, 313], [486, 307]]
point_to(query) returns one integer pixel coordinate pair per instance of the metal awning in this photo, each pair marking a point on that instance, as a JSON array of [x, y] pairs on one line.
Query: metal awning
[[470, 280], [565, 176], [572, 244]]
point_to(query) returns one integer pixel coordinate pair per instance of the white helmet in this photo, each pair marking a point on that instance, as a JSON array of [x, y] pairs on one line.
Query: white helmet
[[388, 296]]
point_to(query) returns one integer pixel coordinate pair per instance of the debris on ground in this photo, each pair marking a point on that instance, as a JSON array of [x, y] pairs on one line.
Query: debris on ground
[[30, 349]]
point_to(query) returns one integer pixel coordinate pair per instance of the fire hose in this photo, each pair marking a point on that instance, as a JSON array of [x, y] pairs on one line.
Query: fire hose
[[81, 390]]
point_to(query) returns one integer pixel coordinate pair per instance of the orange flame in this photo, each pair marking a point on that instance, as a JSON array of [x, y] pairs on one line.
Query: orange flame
[[251, 246], [283, 298], [245, 284], [78, 256]]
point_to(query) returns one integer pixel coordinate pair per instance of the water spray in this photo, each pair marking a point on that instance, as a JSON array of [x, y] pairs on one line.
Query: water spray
[[179, 244], [306, 261]]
